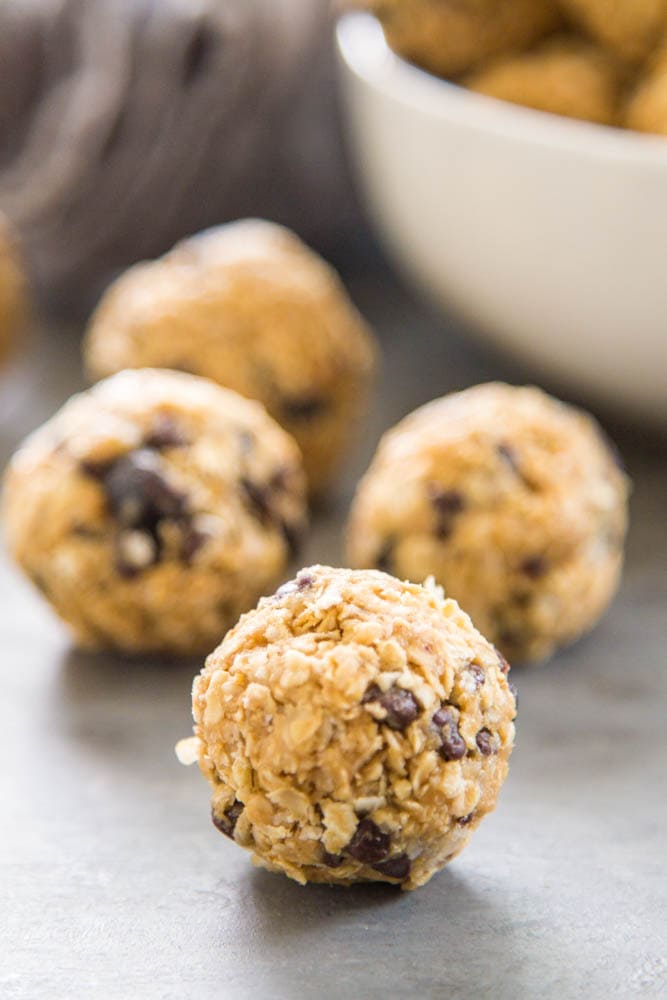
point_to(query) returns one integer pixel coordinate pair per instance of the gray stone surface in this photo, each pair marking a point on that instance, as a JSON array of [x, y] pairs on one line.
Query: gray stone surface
[[114, 884]]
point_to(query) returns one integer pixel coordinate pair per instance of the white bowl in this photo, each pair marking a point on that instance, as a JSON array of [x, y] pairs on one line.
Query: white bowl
[[549, 236]]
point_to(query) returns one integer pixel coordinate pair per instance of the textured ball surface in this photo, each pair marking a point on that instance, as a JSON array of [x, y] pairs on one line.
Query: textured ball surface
[[512, 500], [154, 509], [449, 37], [250, 306], [564, 76], [353, 728]]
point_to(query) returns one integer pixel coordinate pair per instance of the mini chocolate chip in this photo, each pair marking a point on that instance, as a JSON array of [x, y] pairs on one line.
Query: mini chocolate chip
[[384, 558], [138, 494], [396, 867], [401, 706], [193, 541], [304, 407], [293, 535], [502, 662], [96, 469], [464, 820], [534, 566], [485, 742], [332, 860], [510, 456], [477, 673], [165, 433], [281, 478], [227, 822], [448, 504], [302, 582], [369, 844], [258, 499], [453, 745]]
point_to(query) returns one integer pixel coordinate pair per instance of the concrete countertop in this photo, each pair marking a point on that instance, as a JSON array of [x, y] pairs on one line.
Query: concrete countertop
[[116, 885]]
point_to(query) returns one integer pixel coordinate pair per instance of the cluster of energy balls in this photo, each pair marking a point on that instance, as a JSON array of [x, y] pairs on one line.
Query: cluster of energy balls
[[603, 61], [357, 724]]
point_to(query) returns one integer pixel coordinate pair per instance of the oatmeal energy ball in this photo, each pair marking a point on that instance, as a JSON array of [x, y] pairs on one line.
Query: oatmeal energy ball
[[154, 509], [512, 500], [13, 308], [353, 728], [564, 76], [449, 37], [630, 28], [646, 109], [250, 306]]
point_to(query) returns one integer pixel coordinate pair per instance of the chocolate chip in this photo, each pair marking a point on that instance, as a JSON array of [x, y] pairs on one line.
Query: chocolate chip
[[303, 408], [384, 558], [281, 478], [396, 867], [369, 844], [193, 540], [510, 456], [96, 469], [401, 706], [448, 504], [165, 433], [464, 820], [534, 567], [302, 582], [486, 742], [477, 674], [502, 662], [293, 535], [227, 822], [332, 860], [258, 499], [453, 745], [138, 494]]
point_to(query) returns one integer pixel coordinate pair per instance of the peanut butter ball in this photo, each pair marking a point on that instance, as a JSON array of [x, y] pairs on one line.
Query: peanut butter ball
[[251, 307], [352, 728], [513, 501], [153, 509]]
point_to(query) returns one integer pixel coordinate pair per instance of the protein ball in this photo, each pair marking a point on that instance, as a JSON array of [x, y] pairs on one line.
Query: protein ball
[[449, 37], [353, 728], [250, 306], [13, 299], [513, 501], [629, 28], [564, 76], [646, 108], [153, 509]]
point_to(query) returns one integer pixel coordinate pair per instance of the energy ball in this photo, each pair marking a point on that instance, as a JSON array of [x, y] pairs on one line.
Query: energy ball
[[512, 500], [629, 28], [449, 37], [250, 306], [153, 509], [564, 76], [646, 109], [13, 305], [353, 728]]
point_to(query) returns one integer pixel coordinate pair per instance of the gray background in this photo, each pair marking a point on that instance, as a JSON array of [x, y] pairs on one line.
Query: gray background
[[114, 884]]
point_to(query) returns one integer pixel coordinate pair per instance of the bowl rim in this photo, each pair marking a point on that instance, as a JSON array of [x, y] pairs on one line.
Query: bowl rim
[[364, 50]]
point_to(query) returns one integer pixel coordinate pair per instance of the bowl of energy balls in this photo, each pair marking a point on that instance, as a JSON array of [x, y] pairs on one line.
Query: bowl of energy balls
[[513, 156]]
